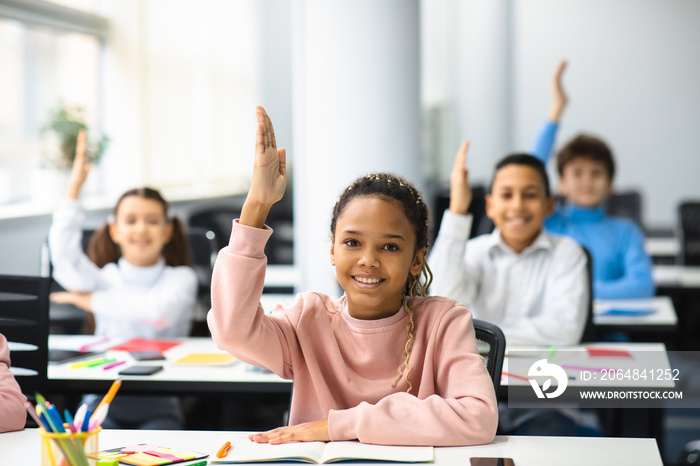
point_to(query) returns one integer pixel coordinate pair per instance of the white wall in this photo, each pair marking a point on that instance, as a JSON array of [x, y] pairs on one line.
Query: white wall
[[633, 76]]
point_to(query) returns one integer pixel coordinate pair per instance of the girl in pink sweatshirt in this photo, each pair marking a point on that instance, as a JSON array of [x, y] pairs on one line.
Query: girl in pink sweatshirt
[[13, 414], [384, 363]]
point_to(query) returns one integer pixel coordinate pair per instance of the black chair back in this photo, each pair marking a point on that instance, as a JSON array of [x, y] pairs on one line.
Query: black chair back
[[24, 320], [491, 345], [627, 204], [481, 224], [589, 330], [689, 229]]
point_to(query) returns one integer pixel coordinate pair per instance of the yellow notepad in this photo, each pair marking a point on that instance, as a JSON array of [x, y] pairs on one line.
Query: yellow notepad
[[209, 359]]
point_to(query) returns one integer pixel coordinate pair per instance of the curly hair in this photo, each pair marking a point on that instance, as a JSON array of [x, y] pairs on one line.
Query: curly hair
[[389, 186]]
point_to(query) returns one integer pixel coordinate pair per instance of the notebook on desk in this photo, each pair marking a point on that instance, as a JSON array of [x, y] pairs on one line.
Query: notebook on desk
[[243, 450]]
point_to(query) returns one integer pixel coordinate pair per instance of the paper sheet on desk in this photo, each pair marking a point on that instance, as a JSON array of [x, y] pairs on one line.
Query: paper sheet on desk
[[205, 359]]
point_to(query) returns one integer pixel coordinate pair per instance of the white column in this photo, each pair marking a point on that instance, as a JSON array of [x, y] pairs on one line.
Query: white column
[[484, 98], [356, 111]]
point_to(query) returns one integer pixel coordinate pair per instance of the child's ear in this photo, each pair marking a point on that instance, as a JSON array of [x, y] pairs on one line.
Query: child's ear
[[551, 202], [332, 253], [168, 232], [489, 206], [561, 187], [418, 260], [113, 232]]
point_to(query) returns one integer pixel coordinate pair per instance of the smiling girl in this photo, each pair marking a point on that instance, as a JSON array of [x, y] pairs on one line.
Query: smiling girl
[[136, 282], [384, 363]]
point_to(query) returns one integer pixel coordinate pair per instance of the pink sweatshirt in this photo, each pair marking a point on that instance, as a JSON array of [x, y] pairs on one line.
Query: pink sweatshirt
[[343, 367], [13, 414]]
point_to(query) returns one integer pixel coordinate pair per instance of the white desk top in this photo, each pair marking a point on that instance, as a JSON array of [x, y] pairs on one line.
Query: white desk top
[[664, 312], [204, 375], [676, 275], [573, 358], [23, 448], [662, 247]]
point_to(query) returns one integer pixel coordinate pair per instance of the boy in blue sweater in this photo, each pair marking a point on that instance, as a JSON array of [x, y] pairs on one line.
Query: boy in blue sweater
[[621, 267]]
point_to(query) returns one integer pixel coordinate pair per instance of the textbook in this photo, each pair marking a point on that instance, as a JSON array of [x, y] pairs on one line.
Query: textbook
[[245, 451]]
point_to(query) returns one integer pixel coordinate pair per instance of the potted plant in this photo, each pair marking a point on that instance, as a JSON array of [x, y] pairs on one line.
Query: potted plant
[[61, 135]]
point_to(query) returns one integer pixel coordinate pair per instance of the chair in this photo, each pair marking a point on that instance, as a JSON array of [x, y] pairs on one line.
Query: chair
[[689, 226], [279, 248], [24, 320], [481, 224], [626, 204], [491, 345], [589, 329], [204, 249]]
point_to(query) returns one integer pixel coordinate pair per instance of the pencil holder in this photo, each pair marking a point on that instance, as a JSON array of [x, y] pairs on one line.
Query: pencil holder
[[68, 449]]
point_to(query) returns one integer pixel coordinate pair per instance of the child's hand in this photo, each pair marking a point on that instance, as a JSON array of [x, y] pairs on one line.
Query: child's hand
[[269, 174], [79, 299], [460, 190], [81, 167], [559, 97], [306, 432]]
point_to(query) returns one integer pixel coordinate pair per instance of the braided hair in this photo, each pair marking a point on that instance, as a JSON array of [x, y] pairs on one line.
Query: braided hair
[[389, 186]]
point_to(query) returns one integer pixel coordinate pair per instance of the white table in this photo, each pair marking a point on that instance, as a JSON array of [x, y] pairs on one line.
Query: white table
[[175, 379], [662, 247], [664, 317], [677, 276], [23, 448]]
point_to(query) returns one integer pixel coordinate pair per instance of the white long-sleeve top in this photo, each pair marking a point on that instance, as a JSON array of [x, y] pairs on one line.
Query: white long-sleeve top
[[538, 296], [127, 300]]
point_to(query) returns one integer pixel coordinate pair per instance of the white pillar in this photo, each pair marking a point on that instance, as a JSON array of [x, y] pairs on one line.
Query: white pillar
[[356, 111], [484, 98]]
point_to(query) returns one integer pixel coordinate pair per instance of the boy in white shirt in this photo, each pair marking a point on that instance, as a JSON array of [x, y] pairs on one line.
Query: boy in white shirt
[[531, 284]]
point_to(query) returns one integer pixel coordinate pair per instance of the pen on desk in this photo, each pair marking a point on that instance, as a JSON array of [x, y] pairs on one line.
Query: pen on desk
[[552, 350], [223, 451], [113, 364], [87, 346], [86, 363], [101, 361]]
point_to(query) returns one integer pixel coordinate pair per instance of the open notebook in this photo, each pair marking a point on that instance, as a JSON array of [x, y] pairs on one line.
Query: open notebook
[[244, 451]]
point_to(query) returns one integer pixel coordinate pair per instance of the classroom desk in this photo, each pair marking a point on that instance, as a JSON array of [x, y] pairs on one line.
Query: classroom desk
[[23, 447], [175, 380], [663, 319], [677, 276], [662, 247]]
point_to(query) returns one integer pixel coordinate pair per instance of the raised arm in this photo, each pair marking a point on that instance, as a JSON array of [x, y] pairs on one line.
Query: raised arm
[[269, 174], [71, 266], [544, 142], [81, 167], [237, 321], [451, 274]]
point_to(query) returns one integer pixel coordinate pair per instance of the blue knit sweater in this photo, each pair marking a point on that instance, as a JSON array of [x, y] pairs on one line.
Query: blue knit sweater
[[621, 266]]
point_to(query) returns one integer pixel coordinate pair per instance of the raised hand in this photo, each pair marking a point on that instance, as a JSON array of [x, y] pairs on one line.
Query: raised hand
[[460, 189], [306, 432], [559, 97], [269, 174], [81, 167]]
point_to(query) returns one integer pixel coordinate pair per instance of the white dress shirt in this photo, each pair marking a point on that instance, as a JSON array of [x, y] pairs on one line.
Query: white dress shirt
[[539, 296], [127, 300]]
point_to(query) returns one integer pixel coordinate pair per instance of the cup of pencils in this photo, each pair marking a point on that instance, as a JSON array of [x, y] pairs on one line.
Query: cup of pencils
[[68, 448], [66, 440]]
